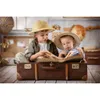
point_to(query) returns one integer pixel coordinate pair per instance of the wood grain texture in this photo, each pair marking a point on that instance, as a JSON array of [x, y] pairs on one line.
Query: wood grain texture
[[90, 78], [41, 81], [58, 81], [96, 75], [8, 74], [50, 81]]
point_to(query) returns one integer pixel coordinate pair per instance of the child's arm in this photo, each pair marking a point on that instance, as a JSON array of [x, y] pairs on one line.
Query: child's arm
[[72, 53], [34, 56], [30, 52], [82, 54]]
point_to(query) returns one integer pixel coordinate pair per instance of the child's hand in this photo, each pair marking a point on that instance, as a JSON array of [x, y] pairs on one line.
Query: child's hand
[[44, 54], [41, 53], [48, 54], [81, 52], [62, 54], [70, 54]]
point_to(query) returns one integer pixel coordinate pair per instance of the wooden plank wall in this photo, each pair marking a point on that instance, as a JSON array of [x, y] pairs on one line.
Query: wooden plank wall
[[13, 48], [1, 39], [0, 43]]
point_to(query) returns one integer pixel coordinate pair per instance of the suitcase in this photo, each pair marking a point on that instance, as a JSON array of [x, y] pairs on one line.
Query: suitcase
[[26, 71], [93, 58], [77, 71], [51, 71]]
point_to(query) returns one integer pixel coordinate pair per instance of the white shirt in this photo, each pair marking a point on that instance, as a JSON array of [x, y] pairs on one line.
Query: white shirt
[[43, 46]]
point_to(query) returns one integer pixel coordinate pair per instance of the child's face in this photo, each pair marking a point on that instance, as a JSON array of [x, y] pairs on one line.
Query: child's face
[[67, 42], [42, 36]]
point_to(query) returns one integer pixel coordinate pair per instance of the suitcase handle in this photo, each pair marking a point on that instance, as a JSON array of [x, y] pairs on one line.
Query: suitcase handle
[[83, 61], [51, 64], [93, 58], [49, 68]]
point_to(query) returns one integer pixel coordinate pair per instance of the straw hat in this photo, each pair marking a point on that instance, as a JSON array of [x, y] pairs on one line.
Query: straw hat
[[58, 43], [39, 26], [57, 27]]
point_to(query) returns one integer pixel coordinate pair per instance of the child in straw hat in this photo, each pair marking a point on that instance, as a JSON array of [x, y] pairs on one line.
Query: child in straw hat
[[68, 42], [40, 45]]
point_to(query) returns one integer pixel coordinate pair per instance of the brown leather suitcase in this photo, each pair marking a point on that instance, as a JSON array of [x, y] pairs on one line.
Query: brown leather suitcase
[[93, 57], [77, 71], [26, 71], [51, 71]]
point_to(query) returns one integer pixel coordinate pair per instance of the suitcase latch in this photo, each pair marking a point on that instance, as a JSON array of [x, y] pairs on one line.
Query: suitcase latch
[[27, 66], [51, 64], [75, 66]]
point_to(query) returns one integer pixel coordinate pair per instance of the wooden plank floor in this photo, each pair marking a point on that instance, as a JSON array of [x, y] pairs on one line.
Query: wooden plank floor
[[8, 75]]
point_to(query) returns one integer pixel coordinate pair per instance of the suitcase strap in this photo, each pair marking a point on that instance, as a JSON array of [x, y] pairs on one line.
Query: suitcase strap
[[66, 71], [48, 68], [36, 72]]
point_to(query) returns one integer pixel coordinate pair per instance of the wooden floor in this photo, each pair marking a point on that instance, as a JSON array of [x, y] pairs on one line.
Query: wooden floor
[[8, 75]]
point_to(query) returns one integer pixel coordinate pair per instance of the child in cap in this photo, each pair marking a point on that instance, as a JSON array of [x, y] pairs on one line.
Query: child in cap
[[40, 45], [68, 42]]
